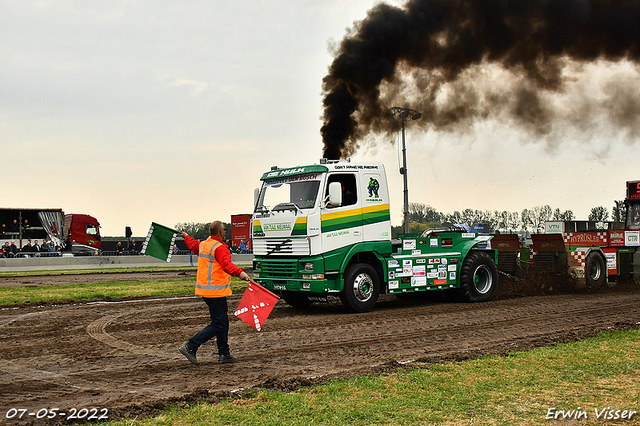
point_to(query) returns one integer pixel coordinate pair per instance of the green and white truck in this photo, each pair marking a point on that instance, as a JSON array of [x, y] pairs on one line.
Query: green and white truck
[[325, 229]]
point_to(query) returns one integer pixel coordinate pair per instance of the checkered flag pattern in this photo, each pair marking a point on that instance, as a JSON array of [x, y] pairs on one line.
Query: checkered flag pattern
[[579, 257]]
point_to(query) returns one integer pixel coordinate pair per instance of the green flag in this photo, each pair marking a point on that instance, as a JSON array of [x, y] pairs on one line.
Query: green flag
[[159, 242]]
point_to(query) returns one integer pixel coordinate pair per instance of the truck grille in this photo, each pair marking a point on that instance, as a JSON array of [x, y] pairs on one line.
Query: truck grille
[[281, 246], [278, 268]]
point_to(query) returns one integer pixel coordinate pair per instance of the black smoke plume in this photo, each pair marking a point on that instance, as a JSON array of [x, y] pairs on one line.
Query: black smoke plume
[[432, 56]]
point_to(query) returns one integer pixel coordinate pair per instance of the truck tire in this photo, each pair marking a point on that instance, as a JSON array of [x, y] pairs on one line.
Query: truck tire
[[594, 271], [478, 278], [361, 288], [296, 300]]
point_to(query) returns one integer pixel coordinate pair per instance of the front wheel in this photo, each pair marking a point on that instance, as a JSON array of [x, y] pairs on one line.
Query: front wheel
[[361, 288], [478, 278]]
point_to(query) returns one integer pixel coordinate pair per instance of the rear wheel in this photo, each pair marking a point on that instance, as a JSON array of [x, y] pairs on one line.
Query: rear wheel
[[361, 288], [296, 300], [478, 278], [594, 271]]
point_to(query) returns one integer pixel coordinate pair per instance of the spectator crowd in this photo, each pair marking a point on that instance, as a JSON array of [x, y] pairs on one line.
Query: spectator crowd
[[132, 249], [47, 248], [29, 248], [234, 248]]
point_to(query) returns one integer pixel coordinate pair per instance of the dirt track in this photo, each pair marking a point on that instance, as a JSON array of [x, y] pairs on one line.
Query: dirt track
[[78, 278], [122, 356]]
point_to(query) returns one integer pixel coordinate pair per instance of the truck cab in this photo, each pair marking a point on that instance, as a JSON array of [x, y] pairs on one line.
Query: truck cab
[[632, 203], [81, 234], [310, 220]]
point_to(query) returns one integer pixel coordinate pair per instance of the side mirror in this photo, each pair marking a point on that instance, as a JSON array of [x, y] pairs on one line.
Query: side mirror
[[335, 194], [256, 194]]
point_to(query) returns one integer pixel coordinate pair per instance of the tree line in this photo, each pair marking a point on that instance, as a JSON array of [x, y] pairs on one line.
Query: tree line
[[200, 231], [422, 216]]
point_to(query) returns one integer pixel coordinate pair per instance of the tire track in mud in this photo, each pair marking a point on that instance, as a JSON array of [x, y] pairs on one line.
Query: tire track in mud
[[97, 330], [19, 317], [374, 330], [423, 331]]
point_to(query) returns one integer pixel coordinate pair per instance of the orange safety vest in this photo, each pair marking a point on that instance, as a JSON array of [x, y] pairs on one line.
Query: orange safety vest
[[212, 280]]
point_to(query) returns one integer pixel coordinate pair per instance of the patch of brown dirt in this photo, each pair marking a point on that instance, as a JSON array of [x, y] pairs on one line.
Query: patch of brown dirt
[[123, 355]]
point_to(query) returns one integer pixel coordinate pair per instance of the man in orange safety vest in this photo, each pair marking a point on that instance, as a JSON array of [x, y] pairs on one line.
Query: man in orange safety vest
[[213, 284]]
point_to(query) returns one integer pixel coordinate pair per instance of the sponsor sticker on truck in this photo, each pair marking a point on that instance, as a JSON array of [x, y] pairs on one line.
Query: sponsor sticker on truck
[[409, 245], [616, 238], [418, 281], [276, 226]]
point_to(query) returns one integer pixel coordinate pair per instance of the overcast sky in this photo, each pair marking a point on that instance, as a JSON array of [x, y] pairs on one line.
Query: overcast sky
[[139, 111]]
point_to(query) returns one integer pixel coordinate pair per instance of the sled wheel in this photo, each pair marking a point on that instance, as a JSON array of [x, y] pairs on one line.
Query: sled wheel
[[361, 288], [478, 278], [594, 270]]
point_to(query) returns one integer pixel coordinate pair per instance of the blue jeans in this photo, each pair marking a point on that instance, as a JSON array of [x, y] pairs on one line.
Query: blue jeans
[[219, 327]]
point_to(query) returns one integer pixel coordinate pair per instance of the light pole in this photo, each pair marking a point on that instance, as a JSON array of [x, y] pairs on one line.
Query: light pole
[[405, 114]]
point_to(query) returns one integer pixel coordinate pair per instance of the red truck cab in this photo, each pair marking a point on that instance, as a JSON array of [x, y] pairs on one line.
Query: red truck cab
[[82, 233]]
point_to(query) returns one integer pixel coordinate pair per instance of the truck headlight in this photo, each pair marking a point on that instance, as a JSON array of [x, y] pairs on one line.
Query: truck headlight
[[313, 276], [256, 265], [308, 267]]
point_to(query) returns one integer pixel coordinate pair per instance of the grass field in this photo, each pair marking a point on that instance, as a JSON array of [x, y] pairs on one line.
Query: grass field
[[102, 270]]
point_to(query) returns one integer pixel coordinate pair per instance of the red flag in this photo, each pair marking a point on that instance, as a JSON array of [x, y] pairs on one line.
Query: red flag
[[256, 305]]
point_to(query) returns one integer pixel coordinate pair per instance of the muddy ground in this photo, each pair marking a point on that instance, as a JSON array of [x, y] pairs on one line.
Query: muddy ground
[[122, 356], [66, 278]]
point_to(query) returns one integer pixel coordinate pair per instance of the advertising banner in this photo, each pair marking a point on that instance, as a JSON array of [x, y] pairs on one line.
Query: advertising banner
[[241, 231], [611, 255], [632, 238], [616, 239]]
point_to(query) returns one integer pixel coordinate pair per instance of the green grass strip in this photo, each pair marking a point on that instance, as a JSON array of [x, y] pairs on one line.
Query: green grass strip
[[95, 270], [103, 290], [102, 270], [524, 388]]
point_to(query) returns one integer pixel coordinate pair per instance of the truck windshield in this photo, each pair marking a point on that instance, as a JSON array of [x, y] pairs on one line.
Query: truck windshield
[[633, 217], [296, 192], [92, 230]]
